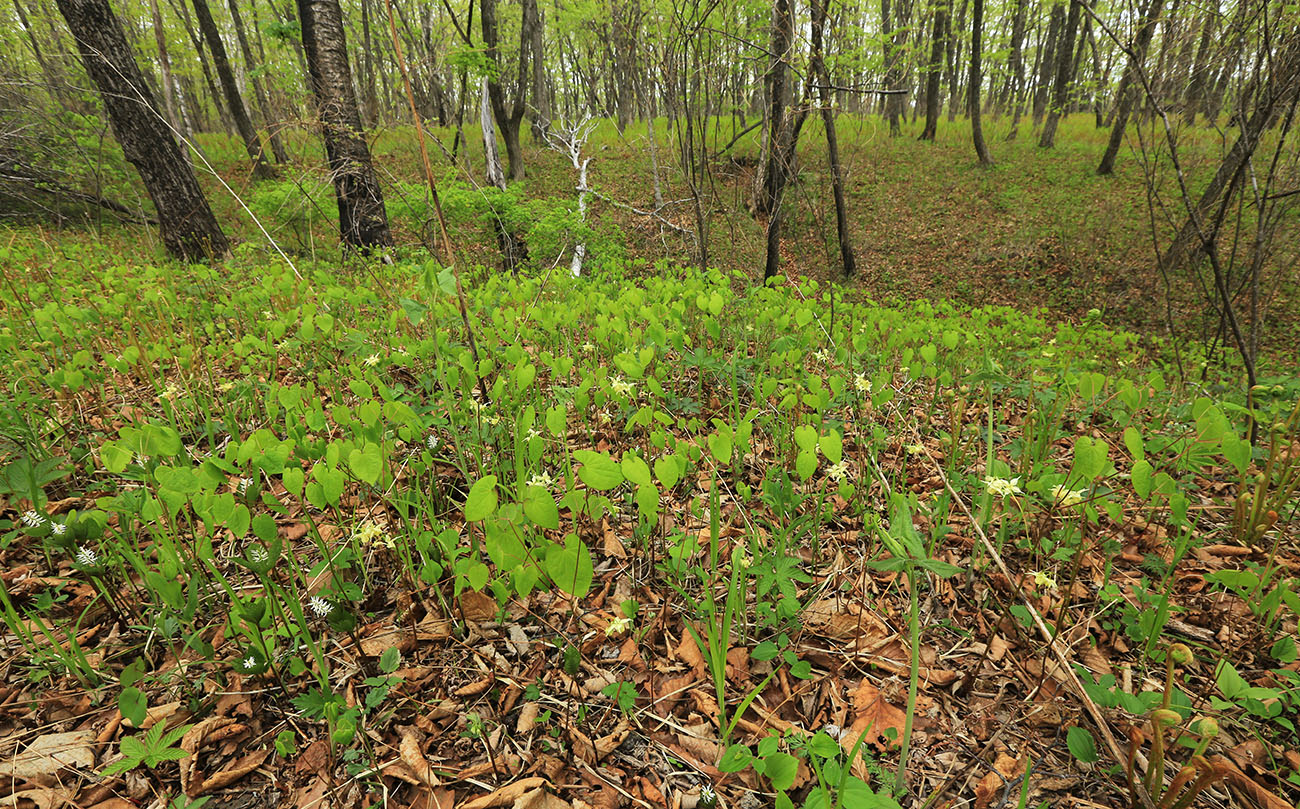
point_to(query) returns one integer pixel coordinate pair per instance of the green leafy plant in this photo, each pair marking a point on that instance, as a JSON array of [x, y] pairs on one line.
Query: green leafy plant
[[150, 749]]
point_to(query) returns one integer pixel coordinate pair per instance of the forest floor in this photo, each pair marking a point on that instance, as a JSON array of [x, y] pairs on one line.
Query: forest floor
[[267, 543], [1038, 229]]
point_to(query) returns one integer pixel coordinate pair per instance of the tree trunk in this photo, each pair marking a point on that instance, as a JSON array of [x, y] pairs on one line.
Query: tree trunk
[[234, 101], [954, 46], [1016, 68], [183, 12], [1279, 89], [259, 92], [893, 103], [541, 107], [1064, 76], [770, 179], [1047, 62], [513, 250], [189, 229], [1194, 100], [509, 120], [165, 68], [976, 79], [363, 221], [934, 72], [818, 67], [1127, 89]]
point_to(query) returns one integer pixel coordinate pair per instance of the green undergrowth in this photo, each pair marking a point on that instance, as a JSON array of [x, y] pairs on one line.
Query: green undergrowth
[[242, 468]]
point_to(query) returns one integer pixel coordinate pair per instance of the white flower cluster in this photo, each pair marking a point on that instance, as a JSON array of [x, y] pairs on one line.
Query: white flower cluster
[[1002, 487], [320, 606], [541, 480], [620, 386], [1068, 498], [838, 472], [370, 531], [33, 519]]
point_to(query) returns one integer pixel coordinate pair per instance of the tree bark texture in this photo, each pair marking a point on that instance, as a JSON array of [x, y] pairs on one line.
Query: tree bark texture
[[973, 103], [509, 119], [363, 221], [934, 72], [189, 229], [234, 101], [1064, 76], [1127, 90]]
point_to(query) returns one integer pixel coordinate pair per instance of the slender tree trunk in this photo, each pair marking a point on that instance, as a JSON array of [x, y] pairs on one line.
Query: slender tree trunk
[[934, 72], [189, 229], [369, 95], [976, 79], [540, 111], [1047, 62], [954, 45], [165, 69], [824, 95], [509, 120], [893, 103], [1279, 89], [259, 91], [1194, 100], [1016, 68], [183, 12], [1127, 92], [771, 178], [1064, 76], [234, 101], [363, 221]]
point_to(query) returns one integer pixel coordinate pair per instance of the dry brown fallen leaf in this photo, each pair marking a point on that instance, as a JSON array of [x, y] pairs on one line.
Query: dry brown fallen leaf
[[992, 785], [689, 653], [413, 758], [191, 778], [50, 753], [606, 744], [242, 767], [540, 799], [476, 606], [314, 795], [1247, 786], [506, 795], [42, 798], [383, 639], [873, 715], [527, 718]]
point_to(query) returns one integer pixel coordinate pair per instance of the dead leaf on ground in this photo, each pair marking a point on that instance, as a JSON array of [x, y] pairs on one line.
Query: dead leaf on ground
[[506, 795], [540, 799], [50, 753], [190, 743], [43, 798], [413, 758], [476, 606], [527, 718], [873, 715], [689, 653], [990, 786], [242, 767], [384, 639], [312, 796], [838, 619]]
